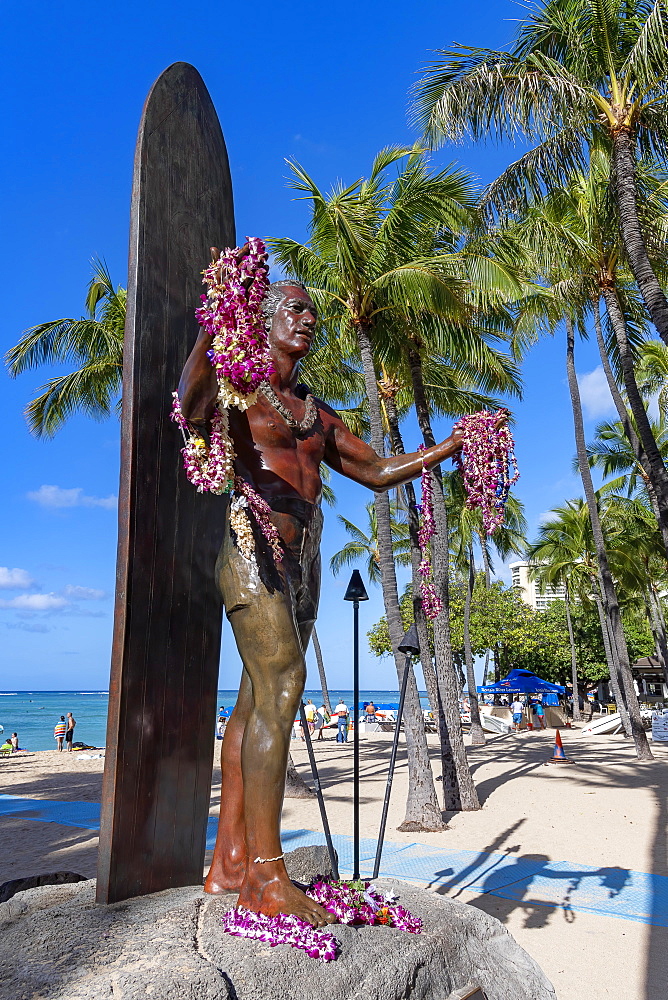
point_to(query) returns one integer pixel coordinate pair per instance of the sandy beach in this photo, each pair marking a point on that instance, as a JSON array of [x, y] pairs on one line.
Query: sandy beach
[[605, 810]]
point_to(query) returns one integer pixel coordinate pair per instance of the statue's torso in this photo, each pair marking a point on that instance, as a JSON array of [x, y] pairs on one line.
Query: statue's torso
[[273, 458]]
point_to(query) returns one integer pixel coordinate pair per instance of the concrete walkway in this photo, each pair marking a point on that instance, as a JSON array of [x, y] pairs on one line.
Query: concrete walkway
[[569, 886]]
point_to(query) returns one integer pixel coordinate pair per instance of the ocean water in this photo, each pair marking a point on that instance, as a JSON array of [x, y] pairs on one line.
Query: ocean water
[[33, 714]]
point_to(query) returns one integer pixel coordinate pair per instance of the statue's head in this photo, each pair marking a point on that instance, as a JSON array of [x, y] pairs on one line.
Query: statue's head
[[290, 317]]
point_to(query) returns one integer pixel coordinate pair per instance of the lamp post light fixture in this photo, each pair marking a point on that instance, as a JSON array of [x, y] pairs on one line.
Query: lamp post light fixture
[[356, 592], [410, 645]]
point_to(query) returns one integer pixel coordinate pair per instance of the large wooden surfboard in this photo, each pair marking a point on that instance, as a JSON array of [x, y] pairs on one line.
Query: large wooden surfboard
[[167, 622]]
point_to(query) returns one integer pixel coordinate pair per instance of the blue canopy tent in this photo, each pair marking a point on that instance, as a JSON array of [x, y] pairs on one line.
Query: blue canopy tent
[[522, 682]]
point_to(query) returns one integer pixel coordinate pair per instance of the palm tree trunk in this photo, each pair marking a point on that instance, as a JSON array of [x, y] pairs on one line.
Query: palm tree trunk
[[622, 412], [658, 628], [625, 679], [422, 810], [620, 406], [656, 471], [613, 666], [574, 662], [477, 735], [321, 670], [295, 786], [459, 791], [626, 196]]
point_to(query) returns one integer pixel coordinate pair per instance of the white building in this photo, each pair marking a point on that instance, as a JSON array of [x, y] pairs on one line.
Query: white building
[[529, 589]]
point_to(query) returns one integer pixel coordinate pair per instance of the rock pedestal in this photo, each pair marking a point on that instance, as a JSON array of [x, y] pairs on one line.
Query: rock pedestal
[[56, 942]]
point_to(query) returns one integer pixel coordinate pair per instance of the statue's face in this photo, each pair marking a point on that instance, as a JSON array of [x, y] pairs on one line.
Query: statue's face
[[294, 323]]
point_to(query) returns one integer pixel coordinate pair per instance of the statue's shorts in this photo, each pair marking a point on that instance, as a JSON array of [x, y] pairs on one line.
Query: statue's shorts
[[271, 590]]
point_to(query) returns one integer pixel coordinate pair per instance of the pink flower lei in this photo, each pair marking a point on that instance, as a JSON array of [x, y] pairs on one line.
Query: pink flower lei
[[232, 314], [488, 465], [350, 902], [431, 602]]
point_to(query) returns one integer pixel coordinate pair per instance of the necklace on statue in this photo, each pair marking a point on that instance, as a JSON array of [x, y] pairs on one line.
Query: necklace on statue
[[300, 427]]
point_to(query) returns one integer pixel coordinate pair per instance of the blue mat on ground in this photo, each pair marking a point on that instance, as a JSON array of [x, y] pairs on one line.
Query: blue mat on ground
[[529, 880]]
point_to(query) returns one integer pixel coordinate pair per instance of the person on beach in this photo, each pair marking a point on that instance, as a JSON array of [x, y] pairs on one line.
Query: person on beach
[[69, 735], [310, 713], [320, 720], [517, 708], [370, 712], [59, 732], [341, 711], [539, 713], [14, 740]]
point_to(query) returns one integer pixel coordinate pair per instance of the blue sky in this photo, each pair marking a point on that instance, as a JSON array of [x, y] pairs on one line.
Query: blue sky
[[327, 84]]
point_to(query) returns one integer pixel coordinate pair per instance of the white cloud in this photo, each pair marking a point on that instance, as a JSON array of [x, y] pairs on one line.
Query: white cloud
[[35, 602], [56, 497], [14, 579], [83, 593], [595, 394]]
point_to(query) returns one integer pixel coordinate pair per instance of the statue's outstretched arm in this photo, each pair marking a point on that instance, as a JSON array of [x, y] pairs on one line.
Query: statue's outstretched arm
[[355, 459], [358, 461]]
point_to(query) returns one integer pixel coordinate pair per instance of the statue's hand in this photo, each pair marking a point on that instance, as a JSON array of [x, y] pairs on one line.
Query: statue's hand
[[239, 256]]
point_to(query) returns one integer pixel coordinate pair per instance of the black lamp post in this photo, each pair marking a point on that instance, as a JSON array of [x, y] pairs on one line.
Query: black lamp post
[[411, 647], [356, 592]]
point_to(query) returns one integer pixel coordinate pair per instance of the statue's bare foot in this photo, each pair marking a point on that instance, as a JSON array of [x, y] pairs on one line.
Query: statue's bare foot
[[278, 895], [225, 876]]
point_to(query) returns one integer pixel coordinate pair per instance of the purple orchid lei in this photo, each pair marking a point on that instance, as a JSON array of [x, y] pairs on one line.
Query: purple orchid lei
[[486, 461], [232, 314], [431, 602], [350, 902], [281, 929], [360, 903]]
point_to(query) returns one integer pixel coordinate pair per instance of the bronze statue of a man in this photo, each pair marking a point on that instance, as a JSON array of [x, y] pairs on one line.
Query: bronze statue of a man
[[280, 442]]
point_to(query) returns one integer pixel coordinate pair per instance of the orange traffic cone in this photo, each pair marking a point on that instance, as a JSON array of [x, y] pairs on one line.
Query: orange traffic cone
[[559, 757]]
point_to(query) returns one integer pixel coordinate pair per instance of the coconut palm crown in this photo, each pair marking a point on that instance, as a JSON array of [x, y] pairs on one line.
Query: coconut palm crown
[[578, 72]]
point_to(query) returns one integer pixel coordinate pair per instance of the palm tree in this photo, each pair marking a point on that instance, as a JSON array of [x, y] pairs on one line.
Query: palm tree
[[564, 552], [364, 545], [450, 396], [373, 265], [361, 267], [607, 584], [653, 372], [572, 228], [639, 562], [94, 343], [557, 563], [570, 304], [611, 452], [578, 72]]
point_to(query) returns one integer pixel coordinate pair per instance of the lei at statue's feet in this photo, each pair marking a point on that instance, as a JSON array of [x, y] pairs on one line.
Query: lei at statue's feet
[[225, 875], [274, 894]]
